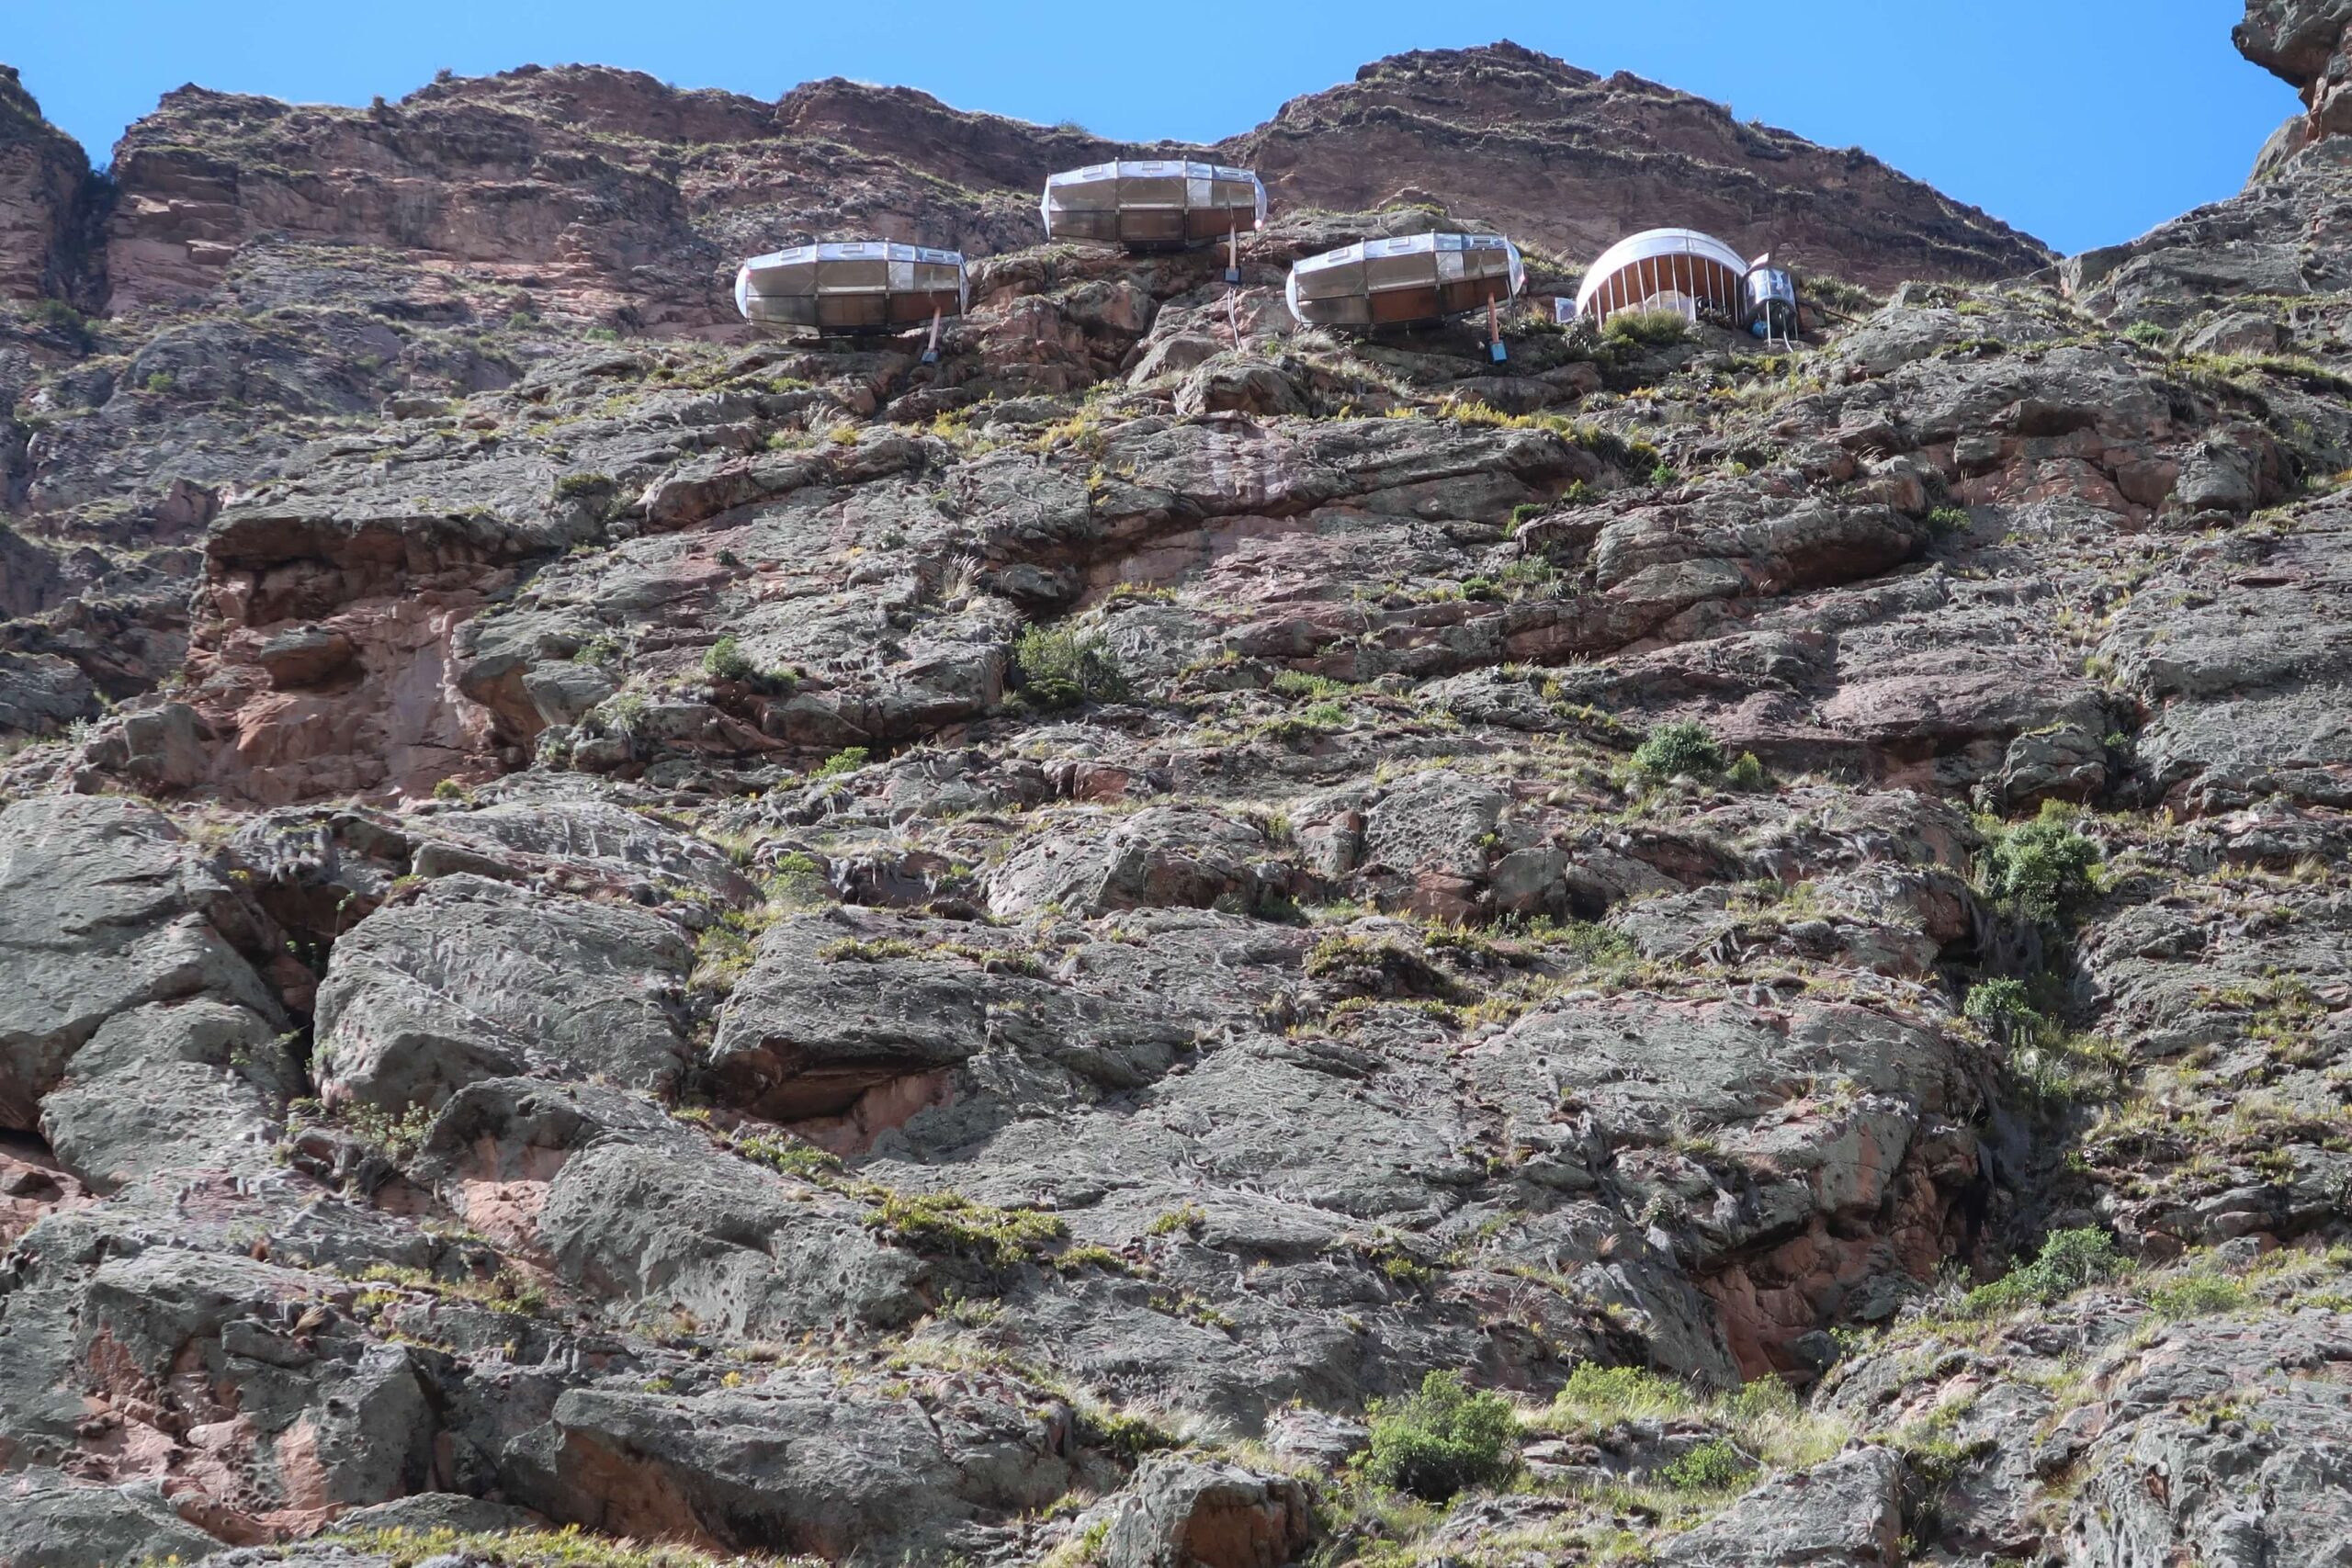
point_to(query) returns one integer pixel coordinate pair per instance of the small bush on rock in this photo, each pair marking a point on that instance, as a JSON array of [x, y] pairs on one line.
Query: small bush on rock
[[1061, 667], [2042, 870], [726, 661], [565, 1548], [2197, 1295], [1442, 1439], [2069, 1260], [2005, 1009], [1714, 1466], [1683, 746]]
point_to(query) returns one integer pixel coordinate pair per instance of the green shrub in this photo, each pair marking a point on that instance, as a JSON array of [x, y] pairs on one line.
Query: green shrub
[[574, 485], [1683, 747], [800, 882], [1442, 1439], [1951, 521], [2069, 1260], [2005, 1009], [726, 661], [1714, 1466], [1748, 774], [1060, 668], [2042, 870], [1656, 328], [2147, 334], [848, 759], [160, 382]]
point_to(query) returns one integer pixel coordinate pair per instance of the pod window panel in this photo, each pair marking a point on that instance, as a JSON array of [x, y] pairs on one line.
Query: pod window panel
[[783, 310], [1671, 279], [1335, 282]]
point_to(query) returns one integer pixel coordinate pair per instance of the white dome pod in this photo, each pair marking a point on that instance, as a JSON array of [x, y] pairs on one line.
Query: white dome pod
[[1414, 278], [1666, 269], [852, 286], [1152, 204]]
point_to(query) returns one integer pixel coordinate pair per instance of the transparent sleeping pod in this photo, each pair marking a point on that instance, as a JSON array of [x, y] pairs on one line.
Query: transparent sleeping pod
[[1153, 204], [1414, 278], [852, 287], [1679, 270]]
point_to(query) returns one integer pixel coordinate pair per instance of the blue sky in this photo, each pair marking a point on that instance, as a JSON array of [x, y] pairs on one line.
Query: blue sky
[[2082, 122]]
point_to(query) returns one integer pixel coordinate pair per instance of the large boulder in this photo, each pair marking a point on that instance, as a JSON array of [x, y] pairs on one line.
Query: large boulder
[[478, 979], [1185, 1513], [1847, 1513], [49, 1521], [106, 909]]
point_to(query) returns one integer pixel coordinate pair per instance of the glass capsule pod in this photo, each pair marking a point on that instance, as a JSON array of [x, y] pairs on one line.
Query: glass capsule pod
[[1152, 204], [849, 288], [1413, 277], [1679, 270], [1771, 301]]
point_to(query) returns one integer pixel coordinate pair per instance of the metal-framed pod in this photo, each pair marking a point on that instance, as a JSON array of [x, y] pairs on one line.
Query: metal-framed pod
[[851, 287], [1152, 204], [1413, 277]]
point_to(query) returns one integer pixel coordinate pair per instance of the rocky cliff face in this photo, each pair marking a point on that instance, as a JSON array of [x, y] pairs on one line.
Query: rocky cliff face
[[771, 950], [44, 196]]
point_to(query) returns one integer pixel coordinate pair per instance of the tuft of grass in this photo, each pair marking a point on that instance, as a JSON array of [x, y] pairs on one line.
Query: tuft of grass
[[953, 1223], [567, 1548], [1712, 1466], [2196, 1295], [789, 1156]]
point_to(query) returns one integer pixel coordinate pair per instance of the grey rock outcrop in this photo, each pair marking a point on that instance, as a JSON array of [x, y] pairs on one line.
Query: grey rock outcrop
[[478, 979]]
